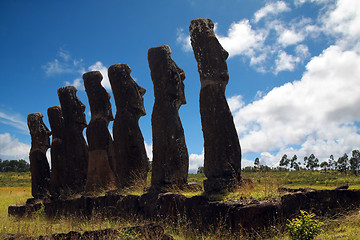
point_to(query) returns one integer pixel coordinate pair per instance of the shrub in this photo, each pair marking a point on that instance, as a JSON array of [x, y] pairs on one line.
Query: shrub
[[304, 227]]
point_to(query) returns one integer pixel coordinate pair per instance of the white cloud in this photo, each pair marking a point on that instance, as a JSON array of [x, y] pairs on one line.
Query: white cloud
[[13, 120], [300, 2], [290, 37], [343, 23], [302, 51], [196, 161], [246, 163], [257, 43], [12, 149], [242, 39], [63, 64], [286, 62], [98, 66], [271, 9], [235, 103], [148, 148], [65, 55], [184, 40], [78, 83], [317, 113]]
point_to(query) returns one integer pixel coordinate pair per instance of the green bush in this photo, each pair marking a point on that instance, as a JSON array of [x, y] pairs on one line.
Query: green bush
[[304, 227]]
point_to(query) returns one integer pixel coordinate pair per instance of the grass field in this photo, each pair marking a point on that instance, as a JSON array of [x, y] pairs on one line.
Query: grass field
[[15, 189], [12, 179]]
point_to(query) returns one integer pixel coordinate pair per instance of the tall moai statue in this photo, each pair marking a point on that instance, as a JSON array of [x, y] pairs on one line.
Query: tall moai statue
[[76, 148], [100, 175], [131, 160], [39, 165], [58, 176], [170, 155], [222, 160]]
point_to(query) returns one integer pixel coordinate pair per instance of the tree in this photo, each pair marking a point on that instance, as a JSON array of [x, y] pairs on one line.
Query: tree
[[264, 168], [324, 165], [297, 166], [257, 162], [311, 162], [200, 170], [355, 161], [23, 166], [343, 163], [284, 162], [14, 166], [293, 164], [332, 162]]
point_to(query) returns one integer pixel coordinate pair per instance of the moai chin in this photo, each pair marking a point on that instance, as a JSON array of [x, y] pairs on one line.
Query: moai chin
[[58, 176], [76, 149], [131, 161], [100, 175], [222, 159], [39, 165], [170, 155]]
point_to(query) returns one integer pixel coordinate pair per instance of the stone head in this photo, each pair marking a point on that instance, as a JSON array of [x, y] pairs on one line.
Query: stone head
[[127, 93], [168, 78], [56, 121], [40, 134], [99, 98], [209, 53], [72, 108]]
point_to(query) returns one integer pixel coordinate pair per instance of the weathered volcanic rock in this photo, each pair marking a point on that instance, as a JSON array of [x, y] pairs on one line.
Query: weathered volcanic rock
[[76, 149], [222, 160], [100, 176], [57, 152], [170, 155], [131, 161], [145, 231], [39, 165]]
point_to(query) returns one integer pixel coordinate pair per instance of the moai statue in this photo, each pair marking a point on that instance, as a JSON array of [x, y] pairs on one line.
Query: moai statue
[[58, 176], [222, 160], [76, 149], [101, 153], [131, 160], [170, 155], [39, 165]]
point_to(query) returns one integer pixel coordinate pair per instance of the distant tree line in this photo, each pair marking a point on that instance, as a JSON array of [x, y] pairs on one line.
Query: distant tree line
[[344, 164], [14, 166]]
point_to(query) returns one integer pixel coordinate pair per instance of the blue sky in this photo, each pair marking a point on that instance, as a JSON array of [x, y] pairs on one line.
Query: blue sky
[[294, 67]]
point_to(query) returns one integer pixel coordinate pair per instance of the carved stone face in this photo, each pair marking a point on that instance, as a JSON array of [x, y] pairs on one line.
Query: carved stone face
[[56, 121], [72, 108], [127, 93], [99, 98], [179, 77], [136, 100], [168, 78], [40, 134], [209, 53]]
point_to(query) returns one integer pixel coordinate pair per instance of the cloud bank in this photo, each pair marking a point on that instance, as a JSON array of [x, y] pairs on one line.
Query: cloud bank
[[12, 149]]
